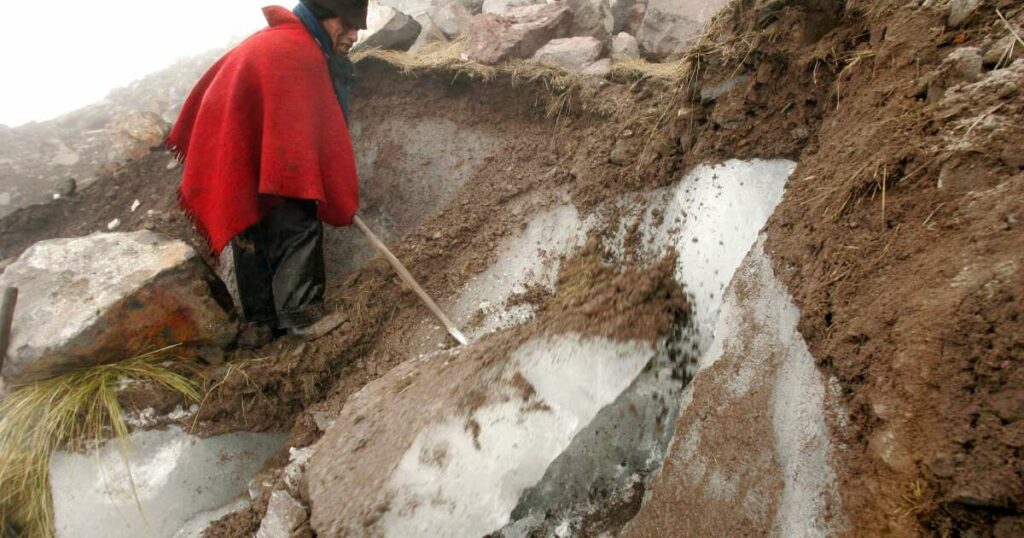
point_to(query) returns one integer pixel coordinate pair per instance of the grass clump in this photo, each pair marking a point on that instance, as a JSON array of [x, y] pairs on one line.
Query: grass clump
[[66, 412]]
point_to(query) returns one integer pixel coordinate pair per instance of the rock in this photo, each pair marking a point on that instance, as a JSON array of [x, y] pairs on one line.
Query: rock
[[446, 446], [452, 18], [622, 152], [1003, 52], [413, 8], [1013, 156], [134, 134], [599, 68], [500, 7], [106, 297], [591, 18], [284, 515], [961, 11], [68, 187], [625, 48], [571, 53], [429, 34], [519, 33], [114, 224], [66, 157], [670, 25], [635, 19], [620, 11], [712, 93], [388, 29], [962, 65]]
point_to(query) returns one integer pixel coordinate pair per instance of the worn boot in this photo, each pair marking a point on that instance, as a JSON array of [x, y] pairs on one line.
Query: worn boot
[[319, 329]]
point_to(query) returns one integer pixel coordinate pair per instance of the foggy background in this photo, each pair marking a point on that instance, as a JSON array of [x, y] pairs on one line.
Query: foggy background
[[61, 55]]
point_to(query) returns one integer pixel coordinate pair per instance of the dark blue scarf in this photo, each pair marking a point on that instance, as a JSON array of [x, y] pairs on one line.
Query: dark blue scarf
[[340, 67]]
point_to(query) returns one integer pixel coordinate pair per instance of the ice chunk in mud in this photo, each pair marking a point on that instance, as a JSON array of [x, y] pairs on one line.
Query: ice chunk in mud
[[175, 479], [446, 446]]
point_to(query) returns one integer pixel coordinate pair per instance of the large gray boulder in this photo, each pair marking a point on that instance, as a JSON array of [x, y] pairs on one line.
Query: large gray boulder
[[388, 29], [107, 297], [670, 25], [571, 53], [519, 33]]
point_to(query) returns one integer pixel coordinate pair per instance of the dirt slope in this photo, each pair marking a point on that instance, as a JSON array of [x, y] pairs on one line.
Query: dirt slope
[[899, 236]]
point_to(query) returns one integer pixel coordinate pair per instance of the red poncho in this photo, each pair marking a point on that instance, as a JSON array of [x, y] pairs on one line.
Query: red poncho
[[263, 124]]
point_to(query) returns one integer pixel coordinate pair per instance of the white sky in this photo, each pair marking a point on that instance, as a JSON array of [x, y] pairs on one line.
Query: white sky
[[59, 55]]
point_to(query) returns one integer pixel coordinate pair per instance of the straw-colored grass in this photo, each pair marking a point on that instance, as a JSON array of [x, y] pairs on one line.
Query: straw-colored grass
[[66, 412]]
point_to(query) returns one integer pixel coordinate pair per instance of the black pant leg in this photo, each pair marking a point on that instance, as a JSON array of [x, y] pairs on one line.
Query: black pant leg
[[254, 275], [295, 241]]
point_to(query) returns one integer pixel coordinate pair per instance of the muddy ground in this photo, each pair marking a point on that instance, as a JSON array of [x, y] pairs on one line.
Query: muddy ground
[[899, 236]]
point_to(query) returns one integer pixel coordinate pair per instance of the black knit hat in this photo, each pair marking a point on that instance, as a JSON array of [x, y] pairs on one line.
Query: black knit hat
[[353, 12]]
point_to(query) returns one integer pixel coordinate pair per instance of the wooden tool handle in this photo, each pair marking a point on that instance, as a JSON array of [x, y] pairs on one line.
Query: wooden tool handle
[[410, 281]]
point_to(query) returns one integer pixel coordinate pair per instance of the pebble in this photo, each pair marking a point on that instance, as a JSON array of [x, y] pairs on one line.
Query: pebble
[[135, 205], [114, 224], [960, 11]]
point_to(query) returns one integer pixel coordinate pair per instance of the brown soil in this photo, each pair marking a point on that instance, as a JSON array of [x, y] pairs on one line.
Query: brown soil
[[899, 239], [911, 291]]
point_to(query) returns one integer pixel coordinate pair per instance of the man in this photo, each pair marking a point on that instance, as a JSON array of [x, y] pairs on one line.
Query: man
[[268, 157]]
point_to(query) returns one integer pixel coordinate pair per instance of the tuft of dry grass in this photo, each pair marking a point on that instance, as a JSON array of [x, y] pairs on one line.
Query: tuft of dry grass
[[66, 412]]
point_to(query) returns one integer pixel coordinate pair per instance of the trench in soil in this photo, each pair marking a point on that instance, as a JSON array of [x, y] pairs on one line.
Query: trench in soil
[[412, 170]]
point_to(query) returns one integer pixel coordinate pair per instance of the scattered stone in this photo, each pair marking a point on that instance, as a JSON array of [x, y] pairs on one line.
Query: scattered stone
[[212, 355], [173, 164], [599, 68], [622, 152], [452, 19], [961, 11], [134, 134], [571, 53], [635, 19], [106, 297], [1013, 156], [114, 224], [413, 8], [520, 33], [135, 205], [620, 11], [255, 337], [591, 18], [962, 65], [711, 94], [56, 196], [499, 7], [284, 515], [670, 25], [388, 29], [67, 188], [625, 48], [66, 157], [1003, 52]]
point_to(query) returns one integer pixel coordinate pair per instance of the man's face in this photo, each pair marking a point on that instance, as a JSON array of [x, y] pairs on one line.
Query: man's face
[[343, 35]]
